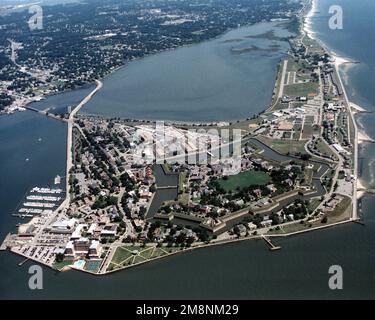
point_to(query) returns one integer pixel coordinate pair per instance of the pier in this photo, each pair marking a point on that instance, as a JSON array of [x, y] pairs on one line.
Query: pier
[[23, 262], [367, 191], [269, 242], [167, 187], [22, 216]]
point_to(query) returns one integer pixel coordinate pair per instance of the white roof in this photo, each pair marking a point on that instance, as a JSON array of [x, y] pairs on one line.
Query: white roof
[[78, 230], [338, 147], [64, 224], [94, 244], [69, 245]]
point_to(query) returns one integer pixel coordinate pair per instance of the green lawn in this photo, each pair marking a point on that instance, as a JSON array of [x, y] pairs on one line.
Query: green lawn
[[301, 89], [244, 179], [122, 253], [138, 259], [341, 212], [324, 149], [284, 146], [184, 196]]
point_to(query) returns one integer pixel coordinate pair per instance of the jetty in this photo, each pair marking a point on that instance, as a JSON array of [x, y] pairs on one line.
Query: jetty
[[167, 187], [366, 191], [23, 262], [22, 216], [269, 242]]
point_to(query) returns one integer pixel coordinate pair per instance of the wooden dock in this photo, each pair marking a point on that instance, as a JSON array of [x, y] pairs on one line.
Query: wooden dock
[[269, 242], [22, 216]]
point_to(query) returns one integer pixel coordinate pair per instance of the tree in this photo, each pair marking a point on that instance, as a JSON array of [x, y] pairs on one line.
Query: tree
[[123, 224], [305, 156], [190, 240], [60, 257]]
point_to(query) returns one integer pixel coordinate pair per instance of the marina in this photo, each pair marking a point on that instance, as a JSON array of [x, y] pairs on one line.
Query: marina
[[46, 190], [40, 201]]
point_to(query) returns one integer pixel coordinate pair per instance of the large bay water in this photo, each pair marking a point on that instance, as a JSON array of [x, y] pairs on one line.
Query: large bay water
[[228, 78], [242, 270]]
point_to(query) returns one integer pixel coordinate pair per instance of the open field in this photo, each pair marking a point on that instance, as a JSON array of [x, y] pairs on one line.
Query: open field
[[244, 179], [283, 146], [309, 131], [324, 149], [341, 212], [301, 89], [183, 194], [312, 45]]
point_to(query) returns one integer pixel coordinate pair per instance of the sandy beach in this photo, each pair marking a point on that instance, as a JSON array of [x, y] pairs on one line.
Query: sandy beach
[[307, 29], [307, 23], [364, 137], [356, 108], [361, 189], [339, 61]]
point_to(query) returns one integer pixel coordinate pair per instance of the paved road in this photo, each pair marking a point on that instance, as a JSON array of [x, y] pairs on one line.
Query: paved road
[[281, 89], [355, 144], [69, 155]]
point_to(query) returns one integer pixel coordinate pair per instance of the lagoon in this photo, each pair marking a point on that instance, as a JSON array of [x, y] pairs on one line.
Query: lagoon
[[228, 78]]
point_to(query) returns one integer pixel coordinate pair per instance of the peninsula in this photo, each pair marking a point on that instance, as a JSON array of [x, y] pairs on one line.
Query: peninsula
[[295, 171]]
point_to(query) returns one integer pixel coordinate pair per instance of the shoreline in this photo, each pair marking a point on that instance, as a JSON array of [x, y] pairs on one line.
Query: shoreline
[[126, 63], [308, 30], [165, 51], [358, 137], [192, 248]]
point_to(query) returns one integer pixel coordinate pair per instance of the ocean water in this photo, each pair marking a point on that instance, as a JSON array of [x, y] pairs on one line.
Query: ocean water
[[355, 41], [246, 270]]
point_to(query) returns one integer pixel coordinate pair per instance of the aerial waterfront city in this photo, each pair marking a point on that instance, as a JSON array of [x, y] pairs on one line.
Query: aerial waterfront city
[[145, 178]]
